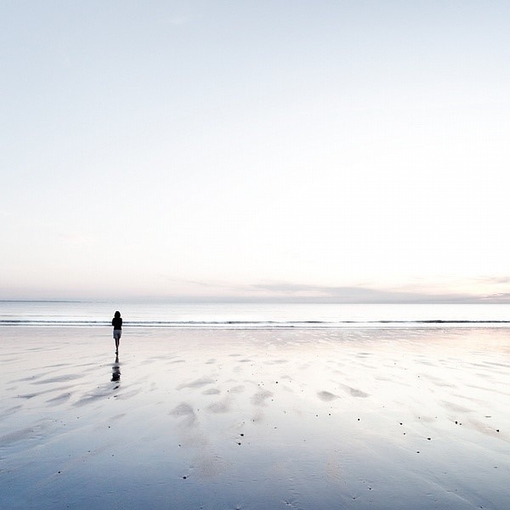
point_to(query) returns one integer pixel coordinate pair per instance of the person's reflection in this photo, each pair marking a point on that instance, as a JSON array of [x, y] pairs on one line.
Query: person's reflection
[[116, 370]]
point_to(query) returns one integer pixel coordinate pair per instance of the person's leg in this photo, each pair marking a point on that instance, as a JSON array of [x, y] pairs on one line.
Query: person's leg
[[116, 336]]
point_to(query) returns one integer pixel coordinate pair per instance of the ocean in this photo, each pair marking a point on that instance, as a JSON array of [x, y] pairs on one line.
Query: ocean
[[250, 315]]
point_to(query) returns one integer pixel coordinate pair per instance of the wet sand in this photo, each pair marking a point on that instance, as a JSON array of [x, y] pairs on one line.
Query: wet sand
[[251, 419]]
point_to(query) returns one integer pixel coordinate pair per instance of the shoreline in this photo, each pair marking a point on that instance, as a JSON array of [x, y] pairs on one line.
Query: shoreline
[[203, 418]]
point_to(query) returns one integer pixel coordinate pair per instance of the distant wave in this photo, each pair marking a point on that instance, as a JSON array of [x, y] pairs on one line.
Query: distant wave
[[269, 324]]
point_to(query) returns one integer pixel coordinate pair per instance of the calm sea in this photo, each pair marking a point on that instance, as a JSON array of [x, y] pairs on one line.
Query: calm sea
[[250, 315]]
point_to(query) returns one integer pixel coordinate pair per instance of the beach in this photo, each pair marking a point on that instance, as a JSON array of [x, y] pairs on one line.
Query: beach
[[212, 418]]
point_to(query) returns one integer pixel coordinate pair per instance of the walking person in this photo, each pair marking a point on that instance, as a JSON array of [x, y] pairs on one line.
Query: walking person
[[117, 330]]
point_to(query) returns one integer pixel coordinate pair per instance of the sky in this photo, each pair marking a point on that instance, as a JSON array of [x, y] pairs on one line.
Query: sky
[[346, 150]]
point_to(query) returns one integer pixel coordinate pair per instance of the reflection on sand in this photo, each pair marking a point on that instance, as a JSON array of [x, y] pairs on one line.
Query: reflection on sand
[[116, 370]]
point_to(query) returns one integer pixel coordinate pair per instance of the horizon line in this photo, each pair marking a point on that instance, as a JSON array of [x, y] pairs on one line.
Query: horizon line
[[418, 299]]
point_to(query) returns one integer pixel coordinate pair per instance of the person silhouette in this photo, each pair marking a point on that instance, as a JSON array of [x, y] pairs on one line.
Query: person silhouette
[[117, 330]]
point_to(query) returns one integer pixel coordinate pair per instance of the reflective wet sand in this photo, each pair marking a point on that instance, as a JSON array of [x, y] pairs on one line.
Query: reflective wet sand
[[255, 419]]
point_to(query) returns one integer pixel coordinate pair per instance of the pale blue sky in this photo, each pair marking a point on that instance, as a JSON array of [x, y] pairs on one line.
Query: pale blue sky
[[254, 148]]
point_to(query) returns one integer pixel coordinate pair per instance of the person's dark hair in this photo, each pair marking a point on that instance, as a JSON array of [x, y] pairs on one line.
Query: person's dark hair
[[117, 315]]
